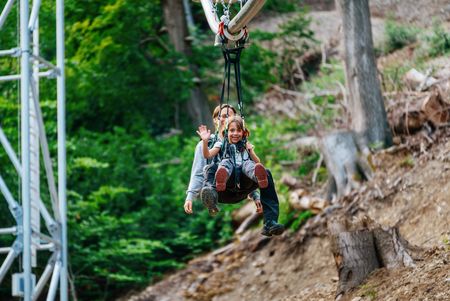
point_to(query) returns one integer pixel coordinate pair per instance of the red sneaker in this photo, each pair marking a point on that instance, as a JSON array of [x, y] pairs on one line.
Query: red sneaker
[[261, 175], [221, 178]]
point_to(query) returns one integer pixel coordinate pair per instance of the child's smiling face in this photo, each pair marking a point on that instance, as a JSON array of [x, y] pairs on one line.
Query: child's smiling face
[[234, 133]]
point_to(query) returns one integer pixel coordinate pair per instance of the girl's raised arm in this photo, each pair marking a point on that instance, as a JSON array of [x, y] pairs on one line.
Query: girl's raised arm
[[204, 134]]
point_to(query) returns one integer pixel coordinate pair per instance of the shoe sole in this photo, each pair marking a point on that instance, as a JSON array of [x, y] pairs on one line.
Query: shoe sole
[[277, 230], [221, 179], [261, 175], [274, 231], [209, 199]]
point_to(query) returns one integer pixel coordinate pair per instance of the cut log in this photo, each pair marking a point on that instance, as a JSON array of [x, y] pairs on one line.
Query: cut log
[[436, 110], [299, 200], [362, 246], [409, 122], [347, 158]]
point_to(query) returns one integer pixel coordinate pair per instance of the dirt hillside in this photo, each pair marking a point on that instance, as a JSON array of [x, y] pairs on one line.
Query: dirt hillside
[[411, 190]]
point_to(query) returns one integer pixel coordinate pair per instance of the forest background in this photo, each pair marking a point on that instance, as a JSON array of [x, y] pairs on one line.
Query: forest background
[[130, 141]]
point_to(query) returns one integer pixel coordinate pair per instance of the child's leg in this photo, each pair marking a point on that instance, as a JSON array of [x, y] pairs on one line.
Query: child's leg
[[209, 175], [223, 173], [256, 172]]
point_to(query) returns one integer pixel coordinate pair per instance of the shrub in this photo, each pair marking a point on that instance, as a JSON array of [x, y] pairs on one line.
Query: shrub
[[439, 41], [398, 36]]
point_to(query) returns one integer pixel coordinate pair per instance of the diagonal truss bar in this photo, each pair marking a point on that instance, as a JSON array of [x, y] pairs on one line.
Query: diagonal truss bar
[[44, 62], [54, 282], [12, 203], [34, 15], [5, 12], [45, 276], [10, 151], [7, 263], [13, 253]]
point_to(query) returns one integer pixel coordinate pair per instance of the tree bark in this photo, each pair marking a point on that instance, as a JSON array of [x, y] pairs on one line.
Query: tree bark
[[367, 107], [175, 20], [359, 247]]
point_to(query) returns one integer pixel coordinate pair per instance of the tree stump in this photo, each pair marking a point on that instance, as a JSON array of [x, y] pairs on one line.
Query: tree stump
[[361, 246], [347, 158]]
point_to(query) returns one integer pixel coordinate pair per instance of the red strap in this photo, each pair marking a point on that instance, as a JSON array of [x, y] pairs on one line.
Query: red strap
[[221, 26]]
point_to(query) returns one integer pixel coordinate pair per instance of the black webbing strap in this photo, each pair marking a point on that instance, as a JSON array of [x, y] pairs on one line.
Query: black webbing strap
[[232, 57]]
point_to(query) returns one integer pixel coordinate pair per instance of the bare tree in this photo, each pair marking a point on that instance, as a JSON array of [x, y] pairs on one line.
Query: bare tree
[[175, 20], [366, 102]]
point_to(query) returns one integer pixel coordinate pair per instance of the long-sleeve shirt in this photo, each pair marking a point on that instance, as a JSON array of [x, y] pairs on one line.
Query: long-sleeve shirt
[[196, 181]]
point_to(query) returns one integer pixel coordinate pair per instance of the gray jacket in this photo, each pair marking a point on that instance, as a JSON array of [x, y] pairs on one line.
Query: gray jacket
[[196, 181]]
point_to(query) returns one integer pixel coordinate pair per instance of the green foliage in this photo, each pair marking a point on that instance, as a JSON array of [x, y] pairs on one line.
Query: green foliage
[[439, 41], [368, 291], [294, 38], [281, 6], [327, 78], [126, 219], [398, 36], [301, 219]]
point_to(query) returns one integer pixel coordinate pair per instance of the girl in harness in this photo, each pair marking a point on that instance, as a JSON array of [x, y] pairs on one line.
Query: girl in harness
[[237, 154]]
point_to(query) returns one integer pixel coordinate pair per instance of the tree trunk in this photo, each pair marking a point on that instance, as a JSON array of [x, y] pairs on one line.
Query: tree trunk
[[363, 246], [347, 154], [367, 107], [175, 20]]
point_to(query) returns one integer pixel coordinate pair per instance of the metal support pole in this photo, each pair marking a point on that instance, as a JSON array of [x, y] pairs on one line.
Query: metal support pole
[[245, 15], [25, 139], [61, 97]]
